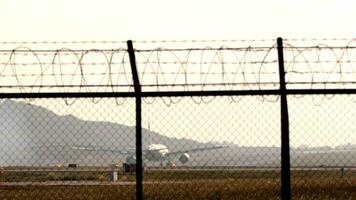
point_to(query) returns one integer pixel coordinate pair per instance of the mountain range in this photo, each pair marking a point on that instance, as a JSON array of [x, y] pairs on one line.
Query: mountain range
[[32, 135]]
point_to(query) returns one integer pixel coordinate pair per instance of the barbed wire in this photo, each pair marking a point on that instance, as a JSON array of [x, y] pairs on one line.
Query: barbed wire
[[172, 41], [319, 39], [136, 41], [23, 69]]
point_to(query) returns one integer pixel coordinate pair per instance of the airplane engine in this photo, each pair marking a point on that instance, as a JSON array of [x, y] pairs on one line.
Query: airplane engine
[[131, 159], [184, 158]]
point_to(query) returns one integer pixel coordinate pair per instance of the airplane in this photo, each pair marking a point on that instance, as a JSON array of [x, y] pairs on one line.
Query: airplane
[[154, 153]]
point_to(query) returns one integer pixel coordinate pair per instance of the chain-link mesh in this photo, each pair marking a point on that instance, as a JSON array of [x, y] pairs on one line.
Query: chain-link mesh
[[225, 149], [50, 150], [323, 149]]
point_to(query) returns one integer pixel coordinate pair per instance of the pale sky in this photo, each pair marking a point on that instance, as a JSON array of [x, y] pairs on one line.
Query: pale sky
[[27, 20], [113, 20]]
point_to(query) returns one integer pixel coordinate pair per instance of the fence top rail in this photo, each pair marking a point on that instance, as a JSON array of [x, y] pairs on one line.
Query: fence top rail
[[179, 93]]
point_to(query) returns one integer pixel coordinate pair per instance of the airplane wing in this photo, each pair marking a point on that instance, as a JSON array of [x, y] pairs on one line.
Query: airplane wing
[[125, 152], [173, 153], [326, 151], [93, 148]]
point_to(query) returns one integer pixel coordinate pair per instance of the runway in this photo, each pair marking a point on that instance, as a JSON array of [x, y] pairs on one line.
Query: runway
[[171, 176], [100, 183], [68, 183]]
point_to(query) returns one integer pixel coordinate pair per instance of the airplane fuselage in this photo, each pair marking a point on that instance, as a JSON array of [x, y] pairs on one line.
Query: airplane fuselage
[[156, 152]]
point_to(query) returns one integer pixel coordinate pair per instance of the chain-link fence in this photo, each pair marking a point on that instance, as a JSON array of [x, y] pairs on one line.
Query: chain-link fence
[[323, 146], [177, 122], [223, 149], [53, 150]]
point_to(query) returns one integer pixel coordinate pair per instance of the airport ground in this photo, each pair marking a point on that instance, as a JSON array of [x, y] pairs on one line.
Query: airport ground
[[179, 184]]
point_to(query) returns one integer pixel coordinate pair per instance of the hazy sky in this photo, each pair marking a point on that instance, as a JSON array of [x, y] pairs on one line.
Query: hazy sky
[[41, 20], [23, 20]]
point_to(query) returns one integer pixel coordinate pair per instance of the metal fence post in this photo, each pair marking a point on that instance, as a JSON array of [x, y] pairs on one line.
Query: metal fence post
[[138, 96], [285, 160]]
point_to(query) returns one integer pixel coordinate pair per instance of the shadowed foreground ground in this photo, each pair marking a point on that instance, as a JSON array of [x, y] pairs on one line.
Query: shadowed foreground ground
[[323, 188]]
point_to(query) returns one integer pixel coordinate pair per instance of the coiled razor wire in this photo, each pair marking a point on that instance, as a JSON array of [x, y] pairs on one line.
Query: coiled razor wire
[[310, 64]]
